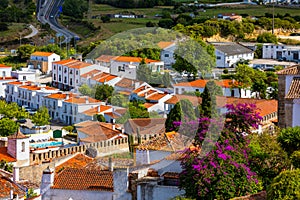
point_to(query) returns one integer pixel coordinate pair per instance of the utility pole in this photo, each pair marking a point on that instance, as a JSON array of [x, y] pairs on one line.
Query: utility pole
[[273, 18]]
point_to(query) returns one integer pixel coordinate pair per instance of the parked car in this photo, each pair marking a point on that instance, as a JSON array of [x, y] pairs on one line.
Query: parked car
[[21, 121]]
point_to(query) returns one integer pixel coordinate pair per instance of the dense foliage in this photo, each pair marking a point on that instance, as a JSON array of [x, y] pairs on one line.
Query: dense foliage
[[285, 186], [20, 11], [41, 117], [289, 139], [224, 171], [136, 4]]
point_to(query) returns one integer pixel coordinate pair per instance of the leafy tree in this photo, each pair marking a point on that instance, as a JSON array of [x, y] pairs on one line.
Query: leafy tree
[[285, 186], [193, 56], [105, 19], [258, 51], [143, 73], [221, 172], [135, 110], [54, 48], [119, 100], [6, 166], [167, 79], [259, 84], [266, 157], [3, 26], [75, 8], [69, 128], [289, 139], [103, 92], [24, 51], [99, 118], [41, 117], [267, 38], [166, 23], [295, 158], [8, 127], [244, 76], [85, 89], [31, 193]]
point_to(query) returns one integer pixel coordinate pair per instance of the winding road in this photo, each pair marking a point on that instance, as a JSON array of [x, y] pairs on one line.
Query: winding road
[[33, 33], [47, 12]]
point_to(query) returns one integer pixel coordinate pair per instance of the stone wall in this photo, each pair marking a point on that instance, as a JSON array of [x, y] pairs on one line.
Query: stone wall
[[281, 101]]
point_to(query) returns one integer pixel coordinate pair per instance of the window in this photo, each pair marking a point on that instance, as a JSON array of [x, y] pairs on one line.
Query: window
[[71, 71], [77, 81], [59, 68], [218, 57], [121, 68], [23, 146], [76, 72], [24, 78], [54, 77], [53, 59], [54, 67], [3, 74], [71, 81], [166, 55], [266, 47], [65, 80], [65, 71], [59, 78]]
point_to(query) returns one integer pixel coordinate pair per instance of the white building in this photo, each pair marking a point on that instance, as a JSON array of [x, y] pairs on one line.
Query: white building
[[42, 61], [281, 51], [229, 53], [66, 73], [25, 74], [126, 67], [28, 94], [167, 53], [228, 88], [5, 77]]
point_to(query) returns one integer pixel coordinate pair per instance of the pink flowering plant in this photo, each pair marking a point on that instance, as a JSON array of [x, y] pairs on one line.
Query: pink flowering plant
[[221, 172]]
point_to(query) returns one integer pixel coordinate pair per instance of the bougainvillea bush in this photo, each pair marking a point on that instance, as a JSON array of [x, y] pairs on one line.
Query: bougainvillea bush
[[222, 172]]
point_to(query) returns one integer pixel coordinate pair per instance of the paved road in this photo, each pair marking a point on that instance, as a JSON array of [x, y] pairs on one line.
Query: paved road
[[33, 33]]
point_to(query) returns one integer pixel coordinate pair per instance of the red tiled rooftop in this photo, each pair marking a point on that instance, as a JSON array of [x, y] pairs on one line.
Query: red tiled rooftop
[[79, 161], [39, 53], [4, 66], [146, 93], [292, 70], [7, 185], [163, 45], [60, 95], [81, 100], [200, 83], [93, 111], [156, 96], [91, 73], [148, 105], [19, 83], [63, 62], [78, 64], [5, 156], [83, 179], [133, 59], [108, 78], [105, 58]]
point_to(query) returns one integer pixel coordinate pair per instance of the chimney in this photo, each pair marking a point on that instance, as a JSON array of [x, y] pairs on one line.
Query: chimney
[[110, 165], [86, 100], [47, 180], [113, 127], [99, 108], [16, 176], [67, 96]]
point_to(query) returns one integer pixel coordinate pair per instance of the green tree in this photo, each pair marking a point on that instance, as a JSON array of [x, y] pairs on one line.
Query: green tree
[[244, 76], [166, 23], [119, 100], [135, 110], [3, 26], [175, 115], [24, 51], [99, 118], [105, 19], [167, 79], [258, 51], [194, 56], [8, 127], [285, 186], [289, 139], [267, 38], [104, 92], [85, 89], [143, 73], [53, 48], [41, 117], [259, 84], [75, 8]]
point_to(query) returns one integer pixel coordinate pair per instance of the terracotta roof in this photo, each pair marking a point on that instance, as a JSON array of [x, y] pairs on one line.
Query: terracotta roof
[[5, 156], [156, 96], [78, 64], [126, 93], [163, 45], [294, 90], [170, 141], [79, 161], [292, 70], [60, 95], [7, 185], [93, 111], [117, 113], [264, 107], [127, 83], [19, 83], [99, 76], [7, 78], [107, 78], [105, 58], [83, 179], [133, 59], [148, 105], [177, 97], [146, 92], [97, 131], [171, 175], [17, 135], [91, 73], [63, 62], [200, 83], [36, 87], [39, 53], [4, 66], [146, 126], [141, 88], [82, 100]]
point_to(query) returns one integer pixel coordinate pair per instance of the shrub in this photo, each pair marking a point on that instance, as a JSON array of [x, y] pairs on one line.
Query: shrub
[[285, 186]]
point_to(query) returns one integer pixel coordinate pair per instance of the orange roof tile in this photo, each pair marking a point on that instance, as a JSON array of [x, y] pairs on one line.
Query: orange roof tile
[[4, 66], [7, 185], [105, 58], [294, 90], [91, 73], [108, 78], [148, 105], [200, 83], [81, 100], [292, 70], [19, 83], [78, 65], [147, 93], [141, 88], [83, 179], [17, 135], [7, 78], [133, 59], [40, 53], [93, 111], [163, 45], [156, 96], [5, 156], [36, 87], [97, 131], [78, 161], [60, 95], [63, 62], [177, 97]]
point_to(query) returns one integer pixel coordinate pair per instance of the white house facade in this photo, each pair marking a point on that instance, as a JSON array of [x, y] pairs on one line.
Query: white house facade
[[42, 61], [281, 51], [167, 53]]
